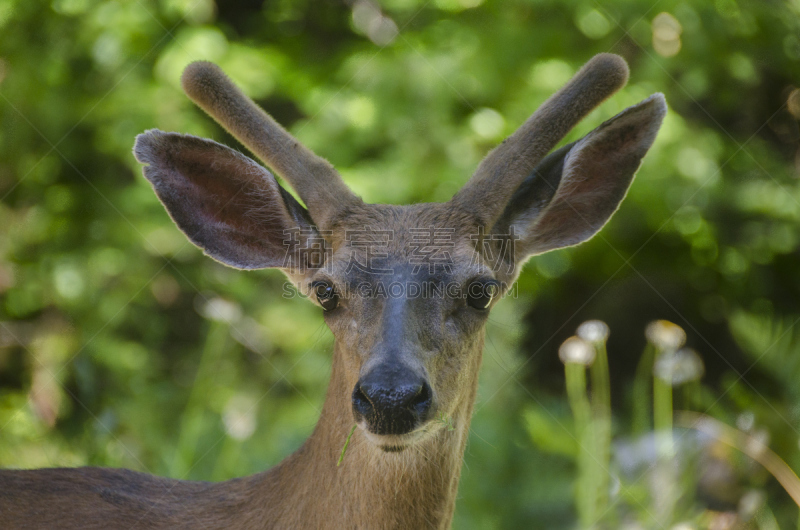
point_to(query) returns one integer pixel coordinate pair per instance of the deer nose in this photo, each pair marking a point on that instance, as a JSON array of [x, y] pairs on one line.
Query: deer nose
[[392, 401]]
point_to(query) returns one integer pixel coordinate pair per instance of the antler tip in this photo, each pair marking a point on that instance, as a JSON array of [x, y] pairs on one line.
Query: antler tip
[[199, 77], [609, 69]]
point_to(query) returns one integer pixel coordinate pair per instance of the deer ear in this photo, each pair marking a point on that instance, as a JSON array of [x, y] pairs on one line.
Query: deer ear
[[227, 204], [574, 191]]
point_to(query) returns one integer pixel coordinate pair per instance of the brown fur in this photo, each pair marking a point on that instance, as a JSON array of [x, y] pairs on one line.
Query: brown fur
[[236, 212], [594, 176], [372, 489], [315, 180], [503, 170]]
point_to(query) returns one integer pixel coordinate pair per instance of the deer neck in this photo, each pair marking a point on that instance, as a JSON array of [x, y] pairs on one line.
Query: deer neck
[[415, 488]]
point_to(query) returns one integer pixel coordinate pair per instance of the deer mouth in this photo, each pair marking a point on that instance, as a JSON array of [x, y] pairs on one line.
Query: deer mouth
[[394, 443]]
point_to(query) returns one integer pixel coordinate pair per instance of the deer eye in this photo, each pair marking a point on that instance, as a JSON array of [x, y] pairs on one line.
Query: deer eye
[[326, 294], [481, 293]]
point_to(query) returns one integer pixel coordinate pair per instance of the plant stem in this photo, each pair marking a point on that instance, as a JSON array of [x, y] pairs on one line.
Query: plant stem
[[662, 415], [581, 411], [641, 391], [601, 406], [665, 451]]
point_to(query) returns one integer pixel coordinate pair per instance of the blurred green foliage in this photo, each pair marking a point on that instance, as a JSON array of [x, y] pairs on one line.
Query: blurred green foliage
[[121, 345]]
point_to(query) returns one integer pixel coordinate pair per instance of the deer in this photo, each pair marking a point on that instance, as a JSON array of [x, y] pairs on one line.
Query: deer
[[400, 361]]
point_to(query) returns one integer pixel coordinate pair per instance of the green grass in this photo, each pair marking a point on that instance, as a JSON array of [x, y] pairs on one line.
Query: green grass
[[346, 443]]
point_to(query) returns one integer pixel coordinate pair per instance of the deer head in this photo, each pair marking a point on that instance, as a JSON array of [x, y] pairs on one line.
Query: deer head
[[406, 290]]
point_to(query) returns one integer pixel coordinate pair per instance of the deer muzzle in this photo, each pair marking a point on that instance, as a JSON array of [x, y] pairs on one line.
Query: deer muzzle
[[392, 400]]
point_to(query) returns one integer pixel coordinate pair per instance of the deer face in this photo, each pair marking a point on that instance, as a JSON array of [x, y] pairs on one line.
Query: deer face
[[406, 296], [406, 290]]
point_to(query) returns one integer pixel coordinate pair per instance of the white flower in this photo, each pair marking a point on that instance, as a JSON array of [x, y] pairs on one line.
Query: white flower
[[576, 350], [593, 331], [665, 335]]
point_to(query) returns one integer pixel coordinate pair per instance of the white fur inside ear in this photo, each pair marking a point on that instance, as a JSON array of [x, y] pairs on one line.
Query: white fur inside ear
[[615, 144], [643, 120]]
